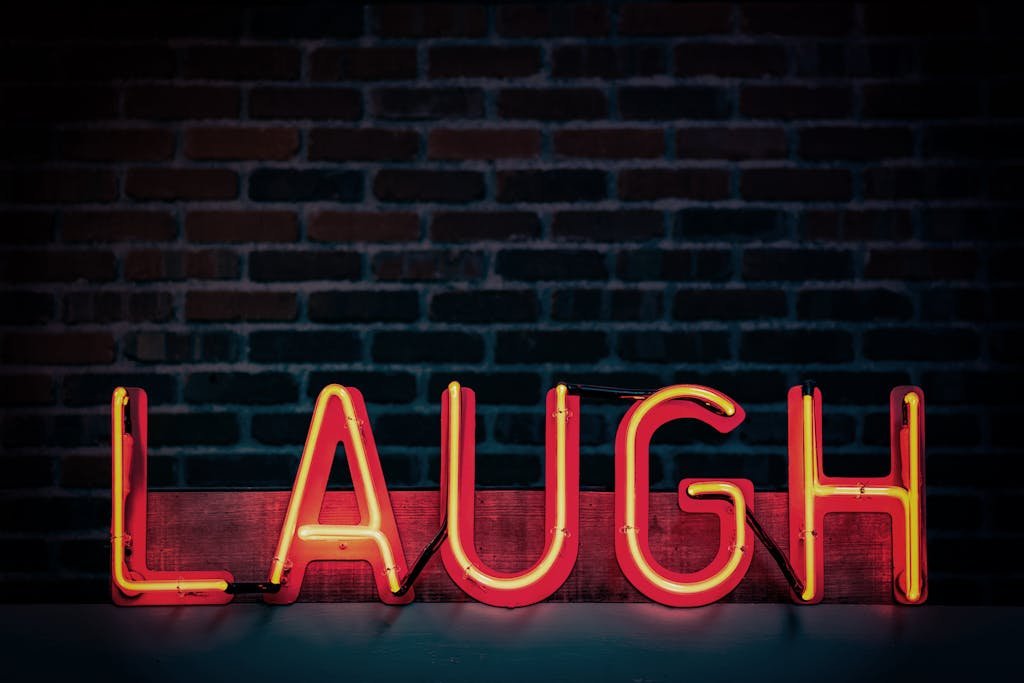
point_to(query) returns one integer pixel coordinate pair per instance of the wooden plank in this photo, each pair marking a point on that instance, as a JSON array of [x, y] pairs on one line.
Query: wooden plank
[[237, 531]]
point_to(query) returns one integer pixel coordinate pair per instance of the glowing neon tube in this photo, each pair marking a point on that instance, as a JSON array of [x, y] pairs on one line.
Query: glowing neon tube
[[814, 495], [631, 490], [508, 589], [133, 583], [303, 539]]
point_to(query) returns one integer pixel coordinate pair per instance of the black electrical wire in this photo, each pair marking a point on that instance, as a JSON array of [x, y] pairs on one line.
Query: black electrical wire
[[239, 587], [795, 584], [603, 393], [599, 392], [127, 413], [424, 558]]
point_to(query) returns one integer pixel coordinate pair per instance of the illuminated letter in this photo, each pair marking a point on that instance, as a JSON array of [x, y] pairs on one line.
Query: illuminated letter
[[632, 441], [340, 416], [132, 583], [812, 495], [561, 502]]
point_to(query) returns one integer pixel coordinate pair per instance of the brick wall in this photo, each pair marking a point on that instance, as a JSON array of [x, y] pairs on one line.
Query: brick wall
[[234, 208]]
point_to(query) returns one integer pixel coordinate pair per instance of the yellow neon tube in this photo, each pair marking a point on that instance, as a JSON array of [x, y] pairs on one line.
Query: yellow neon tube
[[695, 490], [121, 579], [334, 532], [913, 580], [810, 490], [909, 498], [454, 538]]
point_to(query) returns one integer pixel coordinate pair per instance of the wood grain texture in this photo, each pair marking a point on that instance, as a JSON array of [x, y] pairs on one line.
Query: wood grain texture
[[237, 531]]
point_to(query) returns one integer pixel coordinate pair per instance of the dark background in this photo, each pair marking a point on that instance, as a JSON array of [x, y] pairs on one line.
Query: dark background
[[233, 207]]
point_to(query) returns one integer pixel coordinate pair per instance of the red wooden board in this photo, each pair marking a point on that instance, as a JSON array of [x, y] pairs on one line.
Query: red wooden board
[[238, 531]]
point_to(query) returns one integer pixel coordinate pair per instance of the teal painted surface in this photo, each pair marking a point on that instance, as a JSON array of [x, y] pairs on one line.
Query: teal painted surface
[[470, 642]]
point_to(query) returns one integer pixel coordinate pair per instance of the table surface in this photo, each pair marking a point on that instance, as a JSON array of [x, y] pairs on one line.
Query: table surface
[[473, 642]]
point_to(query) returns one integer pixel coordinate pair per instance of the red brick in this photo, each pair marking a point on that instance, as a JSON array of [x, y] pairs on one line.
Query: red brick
[[460, 143], [466, 226], [1004, 182], [610, 143], [60, 186], [27, 390], [211, 264], [413, 185], [331, 21], [583, 19], [125, 144], [355, 226], [972, 141], [241, 143], [414, 21], [26, 227], [427, 103], [23, 143], [69, 348], [659, 103], [730, 59], [106, 307], [668, 18], [36, 103], [247, 305], [57, 266], [797, 264], [471, 61], [305, 103], [927, 182], [146, 265], [913, 19], [118, 226], [937, 100], [335, 184], [429, 265], [707, 142], [295, 266], [153, 264], [860, 225], [127, 22], [181, 102], [557, 104], [855, 142], [368, 144], [241, 226], [181, 183], [608, 61], [690, 183], [25, 307], [101, 63], [608, 226], [790, 19], [921, 264], [250, 62], [552, 185], [363, 64], [793, 184], [795, 102]]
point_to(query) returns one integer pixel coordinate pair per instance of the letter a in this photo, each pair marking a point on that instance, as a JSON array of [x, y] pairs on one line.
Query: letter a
[[340, 417]]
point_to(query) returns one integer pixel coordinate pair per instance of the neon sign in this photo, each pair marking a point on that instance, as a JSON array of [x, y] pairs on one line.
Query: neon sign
[[340, 418]]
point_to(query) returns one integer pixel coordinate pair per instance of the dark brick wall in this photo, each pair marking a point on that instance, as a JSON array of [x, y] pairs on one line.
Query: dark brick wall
[[233, 208]]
